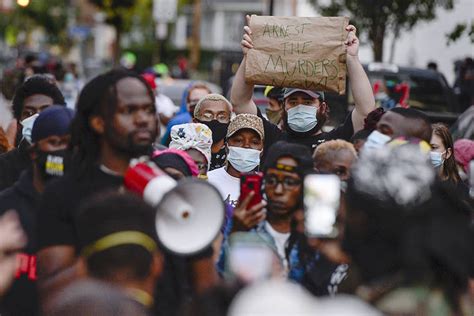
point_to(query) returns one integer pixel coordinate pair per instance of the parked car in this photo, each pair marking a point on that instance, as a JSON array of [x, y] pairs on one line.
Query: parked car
[[464, 126], [174, 88], [428, 91]]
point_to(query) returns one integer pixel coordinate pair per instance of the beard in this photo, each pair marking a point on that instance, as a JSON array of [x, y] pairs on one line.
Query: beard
[[129, 145]]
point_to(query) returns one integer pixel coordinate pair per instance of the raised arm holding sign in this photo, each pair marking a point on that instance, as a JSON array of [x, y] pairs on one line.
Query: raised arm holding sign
[[311, 56]]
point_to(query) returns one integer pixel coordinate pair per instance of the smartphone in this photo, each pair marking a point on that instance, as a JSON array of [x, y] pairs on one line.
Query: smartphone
[[321, 203], [250, 259], [251, 182]]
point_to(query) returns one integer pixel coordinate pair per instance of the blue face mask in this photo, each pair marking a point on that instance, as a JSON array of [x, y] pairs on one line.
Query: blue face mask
[[376, 140], [436, 158], [243, 159], [302, 118]]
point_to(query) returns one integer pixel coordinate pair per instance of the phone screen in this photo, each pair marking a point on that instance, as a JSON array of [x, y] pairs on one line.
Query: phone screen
[[321, 204]]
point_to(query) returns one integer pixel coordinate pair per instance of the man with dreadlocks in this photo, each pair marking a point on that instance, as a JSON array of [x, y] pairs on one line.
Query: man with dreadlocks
[[115, 121]]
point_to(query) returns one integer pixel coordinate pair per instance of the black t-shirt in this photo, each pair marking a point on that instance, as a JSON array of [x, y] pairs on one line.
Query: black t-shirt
[[274, 134], [61, 201], [12, 163], [22, 297]]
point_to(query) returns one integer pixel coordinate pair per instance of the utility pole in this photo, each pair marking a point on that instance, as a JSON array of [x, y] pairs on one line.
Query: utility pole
[[196, 35], [272, 4]]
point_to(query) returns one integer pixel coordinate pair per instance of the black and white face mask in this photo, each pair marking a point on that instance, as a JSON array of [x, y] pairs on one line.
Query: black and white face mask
[[52, 163]]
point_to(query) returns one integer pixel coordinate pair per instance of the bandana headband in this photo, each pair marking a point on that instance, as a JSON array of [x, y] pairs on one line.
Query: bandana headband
[[118, 239]]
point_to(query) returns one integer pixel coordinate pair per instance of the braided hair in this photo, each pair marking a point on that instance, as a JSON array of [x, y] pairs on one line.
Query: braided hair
[[97, 98]]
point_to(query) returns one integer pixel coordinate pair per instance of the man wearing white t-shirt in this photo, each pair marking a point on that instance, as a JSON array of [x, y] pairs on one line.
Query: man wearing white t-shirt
[[244, 143]]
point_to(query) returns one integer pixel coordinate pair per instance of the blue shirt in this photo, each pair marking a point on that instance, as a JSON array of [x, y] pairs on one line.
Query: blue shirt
[[182, 118]]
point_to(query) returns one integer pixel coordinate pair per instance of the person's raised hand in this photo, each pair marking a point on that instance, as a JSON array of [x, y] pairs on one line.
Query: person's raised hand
[[12, 236], [352, 42], [331, 248], [245, 218], [246, 42], [12, 239]]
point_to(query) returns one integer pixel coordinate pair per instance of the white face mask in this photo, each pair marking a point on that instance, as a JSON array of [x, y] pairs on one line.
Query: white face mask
[[376, 140], [28, 126], [302, 118], [243, 159]]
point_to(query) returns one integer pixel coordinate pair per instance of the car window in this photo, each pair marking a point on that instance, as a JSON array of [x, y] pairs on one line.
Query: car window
[[428, 94], [427, 91]]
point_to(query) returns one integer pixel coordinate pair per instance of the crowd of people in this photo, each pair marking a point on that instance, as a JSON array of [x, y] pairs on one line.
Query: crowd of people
[[75, 240]]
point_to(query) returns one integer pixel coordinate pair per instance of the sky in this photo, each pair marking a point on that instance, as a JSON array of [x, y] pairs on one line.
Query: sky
[[426, 42]]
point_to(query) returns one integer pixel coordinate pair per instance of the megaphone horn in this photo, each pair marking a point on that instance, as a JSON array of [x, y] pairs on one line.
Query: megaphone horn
[[147, 180], [190, 216], [190, 212]]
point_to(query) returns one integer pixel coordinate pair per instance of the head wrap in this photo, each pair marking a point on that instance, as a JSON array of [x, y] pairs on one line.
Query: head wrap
[[246, 121], [422, 145], [106, 221], [178, 159], [464, 152], [192, 136], [55, 120]]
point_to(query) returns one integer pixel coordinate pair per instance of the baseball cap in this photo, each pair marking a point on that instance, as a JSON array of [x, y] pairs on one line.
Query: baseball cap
[[150, 80], [243, 121], [315, 94], [273, 92]]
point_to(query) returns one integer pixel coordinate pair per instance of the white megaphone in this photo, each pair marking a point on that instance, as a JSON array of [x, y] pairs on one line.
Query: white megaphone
[[189, 213]]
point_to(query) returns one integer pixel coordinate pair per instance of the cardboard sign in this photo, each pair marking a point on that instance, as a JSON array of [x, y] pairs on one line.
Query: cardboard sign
[[297, 52]]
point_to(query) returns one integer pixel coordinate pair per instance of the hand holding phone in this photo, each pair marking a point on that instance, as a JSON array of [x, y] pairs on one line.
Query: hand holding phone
[[321, 203], [251, 182], [246, 217]]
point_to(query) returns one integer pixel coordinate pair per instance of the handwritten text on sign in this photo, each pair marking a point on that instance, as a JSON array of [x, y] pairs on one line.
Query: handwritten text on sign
[[306, 53]]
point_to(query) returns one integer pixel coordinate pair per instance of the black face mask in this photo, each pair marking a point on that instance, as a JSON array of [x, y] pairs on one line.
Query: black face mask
[[219, 130], [52, 164], [218, 159]]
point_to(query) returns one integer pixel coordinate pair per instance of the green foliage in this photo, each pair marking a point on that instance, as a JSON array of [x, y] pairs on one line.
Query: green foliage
[[459, 31], [119, 13], [376, 17], [51, 15]]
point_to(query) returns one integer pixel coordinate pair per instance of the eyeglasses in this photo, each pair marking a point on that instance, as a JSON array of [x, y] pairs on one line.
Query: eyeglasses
[[288, 183], [221, 117]]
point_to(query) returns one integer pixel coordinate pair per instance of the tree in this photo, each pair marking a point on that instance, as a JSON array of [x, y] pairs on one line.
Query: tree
[[459, 31], [376, 18], [118, 14], [51, 16]]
